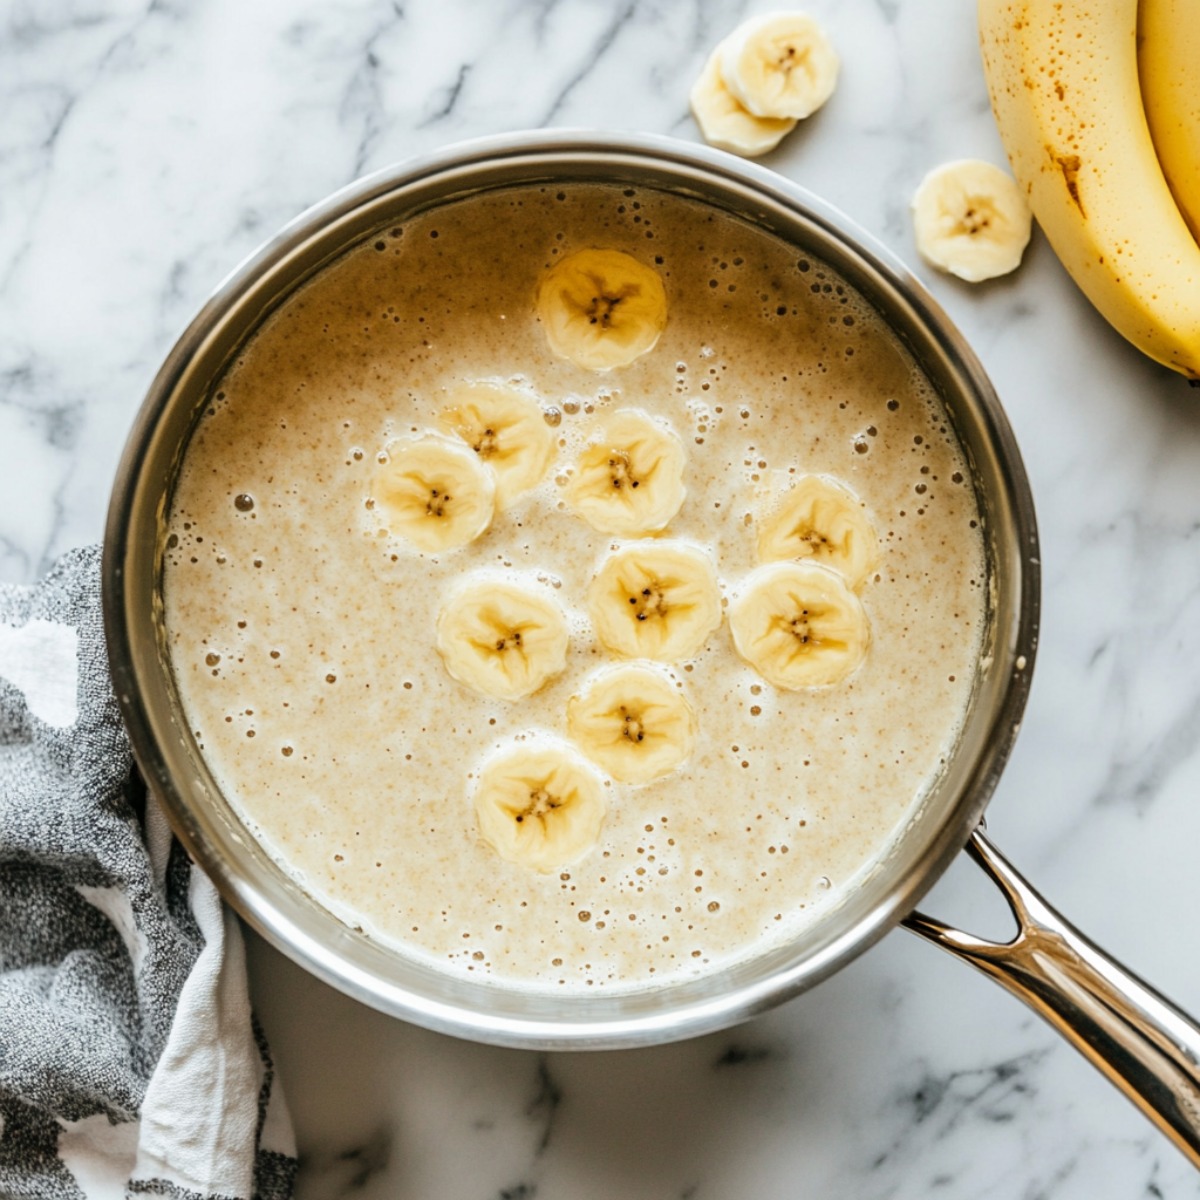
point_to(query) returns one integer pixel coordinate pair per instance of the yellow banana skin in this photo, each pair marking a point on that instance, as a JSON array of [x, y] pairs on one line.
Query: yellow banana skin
[[1169, 69], [1063, 80]]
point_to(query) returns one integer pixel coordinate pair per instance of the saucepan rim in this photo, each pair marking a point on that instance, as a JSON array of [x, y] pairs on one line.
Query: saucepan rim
[[260, 891]]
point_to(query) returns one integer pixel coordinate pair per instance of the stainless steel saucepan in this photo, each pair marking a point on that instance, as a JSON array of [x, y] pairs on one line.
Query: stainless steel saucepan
[[1147, 1046]]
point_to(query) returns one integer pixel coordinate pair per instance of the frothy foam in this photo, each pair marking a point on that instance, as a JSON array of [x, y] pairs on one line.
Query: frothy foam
[[301, 633]]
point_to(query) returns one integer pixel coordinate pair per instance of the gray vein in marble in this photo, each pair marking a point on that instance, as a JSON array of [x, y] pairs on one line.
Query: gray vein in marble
[[519, 1191], [591, 60], [740, 1055], [942, 1102], [451, 93], [545, 1104], [1139, 780], [27, 34], [353, 1169], [364, 94]]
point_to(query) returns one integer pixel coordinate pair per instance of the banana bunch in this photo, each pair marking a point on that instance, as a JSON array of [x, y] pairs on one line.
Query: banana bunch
[[1104, 138], [769, 73], [1168, 39]]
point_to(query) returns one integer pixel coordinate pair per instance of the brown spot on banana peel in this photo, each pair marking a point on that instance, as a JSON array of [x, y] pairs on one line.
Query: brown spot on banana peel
[[1069, 165]]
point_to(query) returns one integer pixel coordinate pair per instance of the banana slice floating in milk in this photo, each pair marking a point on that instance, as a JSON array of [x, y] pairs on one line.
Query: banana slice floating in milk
[[779, 65], [434, 492], [657, 600], [601, 308], [501, 639], [821, 520], [630, 479], [633, 721], [799, 626], [725, 123], [970, 220], [506, 427], [540, 805]]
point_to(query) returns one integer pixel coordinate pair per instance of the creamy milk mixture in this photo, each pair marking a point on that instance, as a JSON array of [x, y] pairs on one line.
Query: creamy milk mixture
[[302, 635]]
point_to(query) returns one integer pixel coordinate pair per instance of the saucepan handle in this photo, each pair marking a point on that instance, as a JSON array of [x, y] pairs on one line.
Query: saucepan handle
[[1138, 1038]]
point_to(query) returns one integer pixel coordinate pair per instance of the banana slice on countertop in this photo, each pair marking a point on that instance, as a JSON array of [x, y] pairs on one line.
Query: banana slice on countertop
[[507, 428], [819, 519], [724, 123], [601, 308], [780, 65], [970, 220], [434, 492], [633, 721], [501, 639], [656, 600], [539, 804], [799, 626], [630, 478]]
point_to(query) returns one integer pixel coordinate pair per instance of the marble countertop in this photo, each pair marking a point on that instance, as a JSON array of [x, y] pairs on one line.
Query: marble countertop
[[146, 147]]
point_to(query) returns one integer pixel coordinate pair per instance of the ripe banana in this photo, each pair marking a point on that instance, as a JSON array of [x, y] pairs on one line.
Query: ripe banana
[[656, 600], [507, 429], [433, 491], [1169, 70], [971, 220], [799, 626], [630, 479], [601, 308], [780, 64], [633, 721], [724, 123], [820, 519], [539, 804], [501, 639], [1063, 79]]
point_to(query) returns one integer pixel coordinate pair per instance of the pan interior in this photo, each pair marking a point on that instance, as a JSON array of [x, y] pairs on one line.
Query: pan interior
[[356, 963]]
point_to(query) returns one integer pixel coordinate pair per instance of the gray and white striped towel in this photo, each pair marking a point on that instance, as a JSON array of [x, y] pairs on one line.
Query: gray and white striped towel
[[130, 1062]]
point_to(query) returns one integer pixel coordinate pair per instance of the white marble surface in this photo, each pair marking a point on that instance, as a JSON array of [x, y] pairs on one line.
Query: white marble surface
[[146, 147]]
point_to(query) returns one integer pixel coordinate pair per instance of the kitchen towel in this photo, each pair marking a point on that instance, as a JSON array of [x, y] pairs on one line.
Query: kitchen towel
[[130, 1062]]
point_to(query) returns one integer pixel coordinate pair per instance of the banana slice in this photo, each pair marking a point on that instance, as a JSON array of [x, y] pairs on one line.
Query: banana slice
[[632, 721], [539, 805], [971, 220], [501, 639], [507, 429], [656, 600], [725, 124], [630, 479], [799, 626], [819, 519], [601, 308], [779, 65], [435, 492]]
